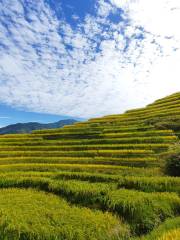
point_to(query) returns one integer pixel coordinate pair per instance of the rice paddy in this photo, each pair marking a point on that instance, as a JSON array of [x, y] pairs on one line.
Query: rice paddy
[[99, 179]]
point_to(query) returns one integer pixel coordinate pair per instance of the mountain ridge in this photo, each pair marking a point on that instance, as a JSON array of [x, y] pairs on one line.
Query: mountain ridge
[[31, 126]]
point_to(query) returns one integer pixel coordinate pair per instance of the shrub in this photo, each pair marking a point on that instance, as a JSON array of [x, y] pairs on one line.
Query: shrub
[[172, 166]]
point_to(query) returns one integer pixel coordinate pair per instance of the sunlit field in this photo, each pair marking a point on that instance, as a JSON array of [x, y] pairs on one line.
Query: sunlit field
[[103, 179]]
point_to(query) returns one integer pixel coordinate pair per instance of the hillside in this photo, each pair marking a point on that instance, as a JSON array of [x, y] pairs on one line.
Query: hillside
[[29, 127], [104, 178]]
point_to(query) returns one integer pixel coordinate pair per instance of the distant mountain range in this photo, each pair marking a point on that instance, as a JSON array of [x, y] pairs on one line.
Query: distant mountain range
[[29, 127]]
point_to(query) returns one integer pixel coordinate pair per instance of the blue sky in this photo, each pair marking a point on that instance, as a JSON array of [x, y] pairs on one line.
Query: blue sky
[[85, 59], [10, 115]]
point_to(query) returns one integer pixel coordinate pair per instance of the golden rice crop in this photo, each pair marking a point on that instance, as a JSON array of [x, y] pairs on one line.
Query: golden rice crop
[[171, 235]]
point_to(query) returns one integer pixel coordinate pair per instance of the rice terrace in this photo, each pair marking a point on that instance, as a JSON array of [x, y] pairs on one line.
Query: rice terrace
[[110, 178]]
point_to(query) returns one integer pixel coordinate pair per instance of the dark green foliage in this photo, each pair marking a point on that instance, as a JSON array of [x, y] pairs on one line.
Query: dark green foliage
[[172, 165], [167, 226]]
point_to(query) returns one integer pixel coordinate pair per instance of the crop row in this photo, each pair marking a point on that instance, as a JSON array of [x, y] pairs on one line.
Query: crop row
[[133, 162], [146, 184], [29, 214], [99, 134], [95, 168], [137, 119], [125, 122], [74, 128], [145, 112], [154, 108], [143, 211], [19, 136], [139, 134], [140, 114], [68, 147], [95, 135], [87, 153], [6, 138], [171, 98], [127, 140], [151, 184]]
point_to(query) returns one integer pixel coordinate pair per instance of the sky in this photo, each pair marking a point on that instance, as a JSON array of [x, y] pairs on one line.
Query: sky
[[10, 115], [86, 58]]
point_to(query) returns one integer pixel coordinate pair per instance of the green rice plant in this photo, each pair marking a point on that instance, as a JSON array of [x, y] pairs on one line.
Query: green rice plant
[[168, 99], [65, 147], [19, 136], [134, 162], [156, 111], [82, 192], [139, 134], [43, 216], [63, 175], [136, 117], [170, 227], [151, 184], [86, 176], [24, 143], [19, 174], [154, 108], [98, 168], [41, 183], [70, 135], [126, 129], [127, 140], [73, 130], [16, 139], [143, 211], [87, 153]]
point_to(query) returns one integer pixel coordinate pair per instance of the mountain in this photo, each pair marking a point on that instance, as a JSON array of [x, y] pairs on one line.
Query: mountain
[[31, 126]]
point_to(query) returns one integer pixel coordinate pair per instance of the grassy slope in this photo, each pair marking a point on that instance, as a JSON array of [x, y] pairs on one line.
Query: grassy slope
[[106, 168]]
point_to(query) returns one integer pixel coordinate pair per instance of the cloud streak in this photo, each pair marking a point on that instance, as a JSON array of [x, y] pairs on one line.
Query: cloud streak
[[117, 58], [4, 117]]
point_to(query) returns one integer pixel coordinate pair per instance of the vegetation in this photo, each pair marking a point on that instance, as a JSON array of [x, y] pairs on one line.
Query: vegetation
[[169, 230], [172, 158], [99, 179], [37, 215], [29, 127]]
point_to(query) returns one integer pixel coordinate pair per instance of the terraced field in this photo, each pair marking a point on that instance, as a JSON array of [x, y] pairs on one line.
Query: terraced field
[[100, 179]]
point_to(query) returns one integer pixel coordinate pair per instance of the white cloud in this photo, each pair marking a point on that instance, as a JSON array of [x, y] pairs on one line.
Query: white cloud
[[159, 17], [47, 66], [4, 117]]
